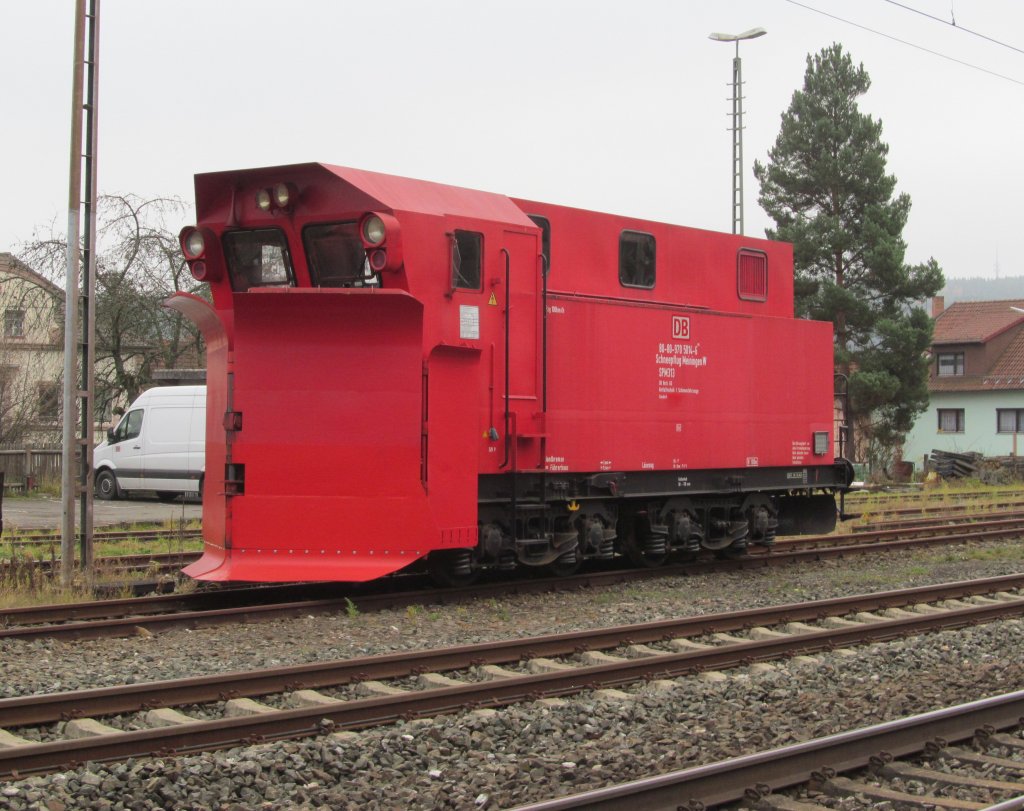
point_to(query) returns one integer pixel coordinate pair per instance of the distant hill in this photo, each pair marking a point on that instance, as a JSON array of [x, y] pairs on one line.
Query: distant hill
[[983, 289]]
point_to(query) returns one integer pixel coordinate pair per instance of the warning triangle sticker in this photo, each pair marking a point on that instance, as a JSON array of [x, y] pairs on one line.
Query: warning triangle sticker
[[493, 300]]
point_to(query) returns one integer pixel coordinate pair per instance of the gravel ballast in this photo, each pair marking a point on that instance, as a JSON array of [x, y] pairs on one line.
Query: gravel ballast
[[530, 751]]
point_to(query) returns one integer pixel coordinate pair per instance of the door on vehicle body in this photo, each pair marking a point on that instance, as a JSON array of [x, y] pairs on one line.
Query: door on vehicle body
[[523, 333], [126, 445], [165, 445]]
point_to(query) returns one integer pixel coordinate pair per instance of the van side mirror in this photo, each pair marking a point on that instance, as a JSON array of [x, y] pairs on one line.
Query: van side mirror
[[110, 435]]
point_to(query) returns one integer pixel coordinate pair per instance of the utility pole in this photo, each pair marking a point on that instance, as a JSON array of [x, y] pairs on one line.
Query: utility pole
[[737, 122], [79, 309]]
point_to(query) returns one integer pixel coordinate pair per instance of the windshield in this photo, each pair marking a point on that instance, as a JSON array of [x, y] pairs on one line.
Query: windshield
[[258, 259], [336, 256]]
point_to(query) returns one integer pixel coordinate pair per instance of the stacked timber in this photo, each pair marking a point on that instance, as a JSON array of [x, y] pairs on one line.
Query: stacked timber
[[956, 465]]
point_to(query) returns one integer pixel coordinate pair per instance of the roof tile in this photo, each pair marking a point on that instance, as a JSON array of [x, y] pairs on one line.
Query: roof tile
[[970, 322]]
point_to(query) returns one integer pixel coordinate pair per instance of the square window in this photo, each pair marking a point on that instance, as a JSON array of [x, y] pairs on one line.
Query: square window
[[258, 258], [951, 364], [636, 259], [14, 323], [951, 420], [1010, 420], [752, 275]]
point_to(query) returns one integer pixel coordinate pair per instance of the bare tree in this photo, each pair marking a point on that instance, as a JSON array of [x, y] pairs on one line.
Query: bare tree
[[31, 356], [138, 265]]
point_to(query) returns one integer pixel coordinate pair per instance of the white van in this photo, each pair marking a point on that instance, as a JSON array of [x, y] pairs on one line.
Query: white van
[[160, 444]]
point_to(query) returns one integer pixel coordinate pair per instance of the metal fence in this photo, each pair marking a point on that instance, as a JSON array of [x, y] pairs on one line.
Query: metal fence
[[25, 469]]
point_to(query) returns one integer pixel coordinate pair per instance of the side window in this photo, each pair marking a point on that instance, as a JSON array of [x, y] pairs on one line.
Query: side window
[[467, 260], [636, 259], [752, 275], [545, 238], [130, 426]]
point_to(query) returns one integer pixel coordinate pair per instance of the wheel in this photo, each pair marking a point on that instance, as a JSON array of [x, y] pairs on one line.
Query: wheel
[[564, 565], [167, 495], [642, 547], [450, 568], [106, 485]]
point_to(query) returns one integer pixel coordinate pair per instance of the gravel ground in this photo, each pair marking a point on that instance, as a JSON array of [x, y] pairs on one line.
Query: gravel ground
[[531, 751]]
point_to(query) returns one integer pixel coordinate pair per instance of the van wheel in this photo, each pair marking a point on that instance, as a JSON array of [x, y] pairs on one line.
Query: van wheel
[[106, 485], [167, 495]]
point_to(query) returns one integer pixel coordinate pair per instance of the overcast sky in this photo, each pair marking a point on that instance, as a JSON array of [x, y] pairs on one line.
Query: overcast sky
[[612, 106]]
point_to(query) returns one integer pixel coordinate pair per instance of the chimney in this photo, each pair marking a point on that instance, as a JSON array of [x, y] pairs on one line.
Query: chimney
[[938, 305]]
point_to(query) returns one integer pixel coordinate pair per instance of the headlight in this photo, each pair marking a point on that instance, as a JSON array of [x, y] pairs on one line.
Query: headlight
[[192, 243], [263, 199], [284, 194], [373, 230]]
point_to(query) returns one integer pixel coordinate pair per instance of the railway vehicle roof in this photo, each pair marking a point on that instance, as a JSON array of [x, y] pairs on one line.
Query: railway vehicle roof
[[382, 191]]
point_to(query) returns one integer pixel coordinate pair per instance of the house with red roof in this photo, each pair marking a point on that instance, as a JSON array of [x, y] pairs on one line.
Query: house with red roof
[[976, 382]]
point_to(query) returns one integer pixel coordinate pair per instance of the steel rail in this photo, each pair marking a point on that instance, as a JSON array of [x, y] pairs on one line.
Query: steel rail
[[113, 535], [147, 613], [731, 780], [925, 522], [877, 536], [37, 709], [303, 722], [140, 562]]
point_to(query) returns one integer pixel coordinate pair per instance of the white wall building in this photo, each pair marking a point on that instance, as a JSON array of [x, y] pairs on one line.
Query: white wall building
[[976, 383]]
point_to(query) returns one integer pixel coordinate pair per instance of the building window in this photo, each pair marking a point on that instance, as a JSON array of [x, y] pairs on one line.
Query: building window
[[752, 275], [49, 402], [14, 323], [636, 259], [951, 364], [1010, 420], [951, 420]]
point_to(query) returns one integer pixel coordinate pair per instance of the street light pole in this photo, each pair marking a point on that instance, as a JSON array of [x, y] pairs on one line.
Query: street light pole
[[737, 122]]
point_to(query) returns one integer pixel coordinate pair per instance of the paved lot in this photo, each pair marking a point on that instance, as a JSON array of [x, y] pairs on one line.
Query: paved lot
[[39, 512]]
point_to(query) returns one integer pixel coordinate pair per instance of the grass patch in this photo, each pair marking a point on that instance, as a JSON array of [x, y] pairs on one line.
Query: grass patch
[[31, 574]]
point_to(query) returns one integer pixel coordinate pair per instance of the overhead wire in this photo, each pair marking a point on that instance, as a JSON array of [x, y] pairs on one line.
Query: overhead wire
[[954, 25], [905, 42]]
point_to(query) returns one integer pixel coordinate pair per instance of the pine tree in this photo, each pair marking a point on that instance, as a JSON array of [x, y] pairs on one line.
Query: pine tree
[[826, 187]]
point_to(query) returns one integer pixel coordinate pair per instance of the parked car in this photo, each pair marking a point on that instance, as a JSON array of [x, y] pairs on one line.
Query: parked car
[[159, 445]]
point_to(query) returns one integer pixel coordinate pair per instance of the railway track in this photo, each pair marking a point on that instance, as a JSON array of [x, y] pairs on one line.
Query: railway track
[[100, 536], [108, 565], [122, 617], [871, 765], [214, 712]]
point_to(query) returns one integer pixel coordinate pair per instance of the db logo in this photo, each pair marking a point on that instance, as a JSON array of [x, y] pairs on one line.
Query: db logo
[[681, 327]]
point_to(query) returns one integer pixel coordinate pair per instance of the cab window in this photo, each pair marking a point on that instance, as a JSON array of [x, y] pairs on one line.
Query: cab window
[[467, 260], [130, 425], [545, 238], [636, 259], [336, 256], [258, 258]]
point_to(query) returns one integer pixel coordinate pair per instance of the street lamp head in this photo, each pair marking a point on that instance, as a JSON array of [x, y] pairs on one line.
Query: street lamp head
[[753, 33]]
